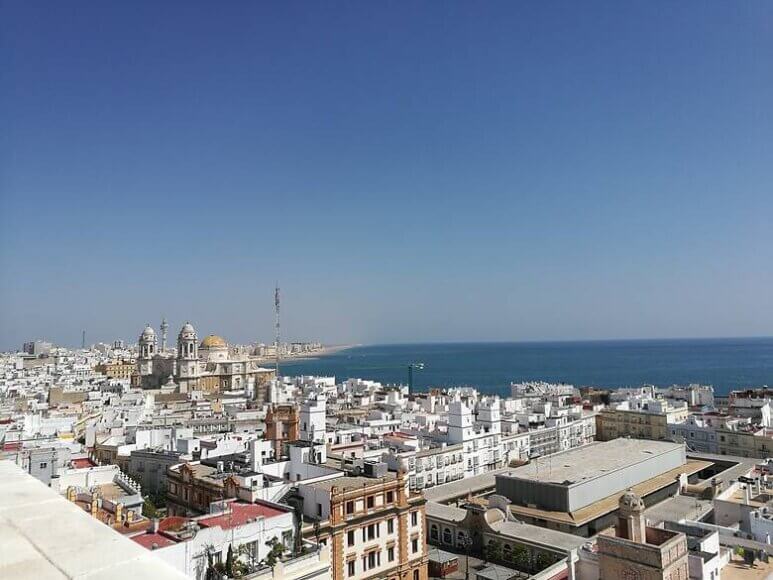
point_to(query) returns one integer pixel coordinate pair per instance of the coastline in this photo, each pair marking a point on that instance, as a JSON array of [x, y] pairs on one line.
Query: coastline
[[325, 351]]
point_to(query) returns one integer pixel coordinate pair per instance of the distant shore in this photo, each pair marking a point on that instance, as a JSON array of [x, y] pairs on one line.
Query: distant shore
[[324, 351]]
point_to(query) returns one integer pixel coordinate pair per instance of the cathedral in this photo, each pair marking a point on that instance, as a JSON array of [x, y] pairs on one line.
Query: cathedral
[[209, 366]]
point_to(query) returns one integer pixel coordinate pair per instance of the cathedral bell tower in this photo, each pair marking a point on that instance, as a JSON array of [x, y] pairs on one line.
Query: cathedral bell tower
[[187, 357], [147, 345]]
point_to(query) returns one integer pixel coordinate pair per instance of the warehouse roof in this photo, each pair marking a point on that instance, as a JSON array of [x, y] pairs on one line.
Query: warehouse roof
[[610, 503], [592, 461]]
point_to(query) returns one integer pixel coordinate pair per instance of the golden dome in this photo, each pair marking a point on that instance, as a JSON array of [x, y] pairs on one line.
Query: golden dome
[[213, 341]]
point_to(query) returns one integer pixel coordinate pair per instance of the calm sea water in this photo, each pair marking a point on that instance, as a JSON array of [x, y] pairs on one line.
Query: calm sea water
[[725, 363]]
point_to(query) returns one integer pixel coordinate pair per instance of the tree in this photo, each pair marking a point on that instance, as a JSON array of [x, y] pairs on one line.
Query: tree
[[520, 557], [149, 509], [493, 551], [275, 553], [542, 561], [229, 561]]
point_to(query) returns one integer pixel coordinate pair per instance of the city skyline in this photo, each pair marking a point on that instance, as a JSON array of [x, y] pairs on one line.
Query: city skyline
[[434, 173]]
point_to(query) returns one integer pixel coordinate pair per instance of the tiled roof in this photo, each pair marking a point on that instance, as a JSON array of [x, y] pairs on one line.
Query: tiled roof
[[239, 515]]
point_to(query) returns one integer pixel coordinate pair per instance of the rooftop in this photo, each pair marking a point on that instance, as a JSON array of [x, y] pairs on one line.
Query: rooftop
[[240, 514], [592, 461], [151, 541], [538, 535], [610, 503], [462, 487], [352, 483], [42, 535]]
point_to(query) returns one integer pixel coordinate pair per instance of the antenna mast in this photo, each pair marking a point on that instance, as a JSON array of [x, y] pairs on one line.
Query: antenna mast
[[276, 328], [83, 340]]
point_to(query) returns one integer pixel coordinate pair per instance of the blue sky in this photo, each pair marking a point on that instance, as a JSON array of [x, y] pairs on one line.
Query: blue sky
[[408, 171]]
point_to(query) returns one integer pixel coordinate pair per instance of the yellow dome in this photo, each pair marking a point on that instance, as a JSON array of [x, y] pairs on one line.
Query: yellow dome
[[213, 341]]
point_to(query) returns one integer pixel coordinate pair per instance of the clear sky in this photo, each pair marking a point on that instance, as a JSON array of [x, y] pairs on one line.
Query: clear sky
[[408, 171]]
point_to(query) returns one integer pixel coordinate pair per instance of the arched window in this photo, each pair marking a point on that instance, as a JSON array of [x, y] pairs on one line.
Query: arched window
[[461, 539], [447, 536], [434, 532]]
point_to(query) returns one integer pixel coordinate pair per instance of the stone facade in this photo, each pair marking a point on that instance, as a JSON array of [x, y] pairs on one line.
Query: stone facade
[[635, 551]]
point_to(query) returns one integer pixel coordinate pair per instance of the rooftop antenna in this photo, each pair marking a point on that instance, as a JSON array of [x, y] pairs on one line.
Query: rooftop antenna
[[276, 329], [83, 340]]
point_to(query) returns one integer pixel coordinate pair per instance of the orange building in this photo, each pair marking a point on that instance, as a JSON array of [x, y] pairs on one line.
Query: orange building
[[282, 424]]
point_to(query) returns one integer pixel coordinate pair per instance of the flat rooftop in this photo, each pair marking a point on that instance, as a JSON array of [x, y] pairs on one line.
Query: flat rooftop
[[476, 484], [609, 504], [592, 461], [42, 535], [352, 483]]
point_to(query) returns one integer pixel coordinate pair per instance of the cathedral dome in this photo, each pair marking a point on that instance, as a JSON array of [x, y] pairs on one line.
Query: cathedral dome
[[148, 332], [213, 341]]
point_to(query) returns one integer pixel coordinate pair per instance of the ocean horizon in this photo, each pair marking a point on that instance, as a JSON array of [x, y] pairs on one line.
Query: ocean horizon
[[725, 363]]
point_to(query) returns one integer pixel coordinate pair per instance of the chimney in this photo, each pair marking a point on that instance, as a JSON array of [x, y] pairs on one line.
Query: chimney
[[154, 526]]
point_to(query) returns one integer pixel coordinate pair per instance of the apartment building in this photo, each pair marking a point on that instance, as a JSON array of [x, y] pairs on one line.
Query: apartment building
[[645, 419], [480, 438], [428, 467], [374, 526]]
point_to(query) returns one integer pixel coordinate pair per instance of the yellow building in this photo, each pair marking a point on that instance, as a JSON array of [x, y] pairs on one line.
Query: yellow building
[[640, 423], [117, 370]]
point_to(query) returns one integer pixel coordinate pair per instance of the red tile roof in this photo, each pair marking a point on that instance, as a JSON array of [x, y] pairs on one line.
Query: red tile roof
[[171, 523], [240, 513], [147, 540], [82, 462]]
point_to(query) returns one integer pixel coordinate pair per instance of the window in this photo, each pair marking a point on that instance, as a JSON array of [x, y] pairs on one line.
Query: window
[[390, 496], [319, 508], [434, 532], [415, 575], [349, 507], [350, 538], [372, 560], [390, 554], [43, 465], [414, 518], [391, 526], [414, 545], [447, 536], [350, 571], [369, 502]]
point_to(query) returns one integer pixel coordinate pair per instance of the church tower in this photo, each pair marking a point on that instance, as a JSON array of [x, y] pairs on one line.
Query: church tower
[[147, 345], [187, 357]]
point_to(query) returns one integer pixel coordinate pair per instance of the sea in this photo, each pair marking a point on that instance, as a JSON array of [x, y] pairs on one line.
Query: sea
[[725, 363]]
